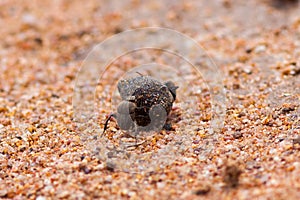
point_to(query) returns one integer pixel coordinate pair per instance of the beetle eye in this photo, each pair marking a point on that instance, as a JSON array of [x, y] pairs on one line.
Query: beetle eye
[[164, 88]]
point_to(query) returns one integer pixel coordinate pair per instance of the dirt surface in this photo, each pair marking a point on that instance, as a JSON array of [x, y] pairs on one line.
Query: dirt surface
[[256, 46]]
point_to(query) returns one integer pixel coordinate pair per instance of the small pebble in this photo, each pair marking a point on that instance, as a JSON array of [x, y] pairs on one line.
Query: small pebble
[[202, 190], [237, 135]]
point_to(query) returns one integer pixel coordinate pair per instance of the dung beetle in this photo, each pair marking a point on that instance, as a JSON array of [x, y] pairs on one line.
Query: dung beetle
[[146, 103]]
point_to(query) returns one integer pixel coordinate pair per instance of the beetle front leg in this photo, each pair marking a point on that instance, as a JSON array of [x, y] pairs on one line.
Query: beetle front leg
[[106, 122]]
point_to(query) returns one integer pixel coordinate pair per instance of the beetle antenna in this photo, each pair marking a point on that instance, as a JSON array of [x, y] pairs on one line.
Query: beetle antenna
[[139, 73], [106, 123]]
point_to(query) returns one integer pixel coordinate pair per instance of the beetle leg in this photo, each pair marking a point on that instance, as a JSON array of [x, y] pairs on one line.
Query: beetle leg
[[135, 133], [139, 73], [106, 122], [136, 144], [127, 135]]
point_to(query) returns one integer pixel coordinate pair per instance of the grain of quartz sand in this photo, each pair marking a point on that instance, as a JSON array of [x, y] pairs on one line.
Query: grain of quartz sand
[[42, 157]]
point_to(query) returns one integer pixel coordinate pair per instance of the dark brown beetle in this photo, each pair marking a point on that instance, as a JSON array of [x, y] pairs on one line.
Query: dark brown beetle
[[146, 103]]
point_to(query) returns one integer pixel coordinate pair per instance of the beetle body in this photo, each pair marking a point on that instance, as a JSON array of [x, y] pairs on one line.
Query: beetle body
[[146, 102]]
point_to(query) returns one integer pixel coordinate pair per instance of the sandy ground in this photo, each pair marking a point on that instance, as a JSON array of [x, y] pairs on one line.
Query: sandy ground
[[256, 46]]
